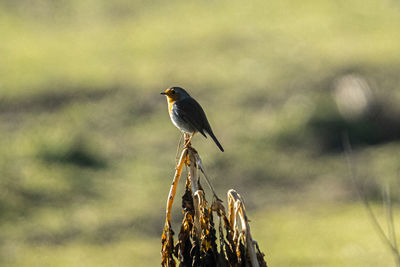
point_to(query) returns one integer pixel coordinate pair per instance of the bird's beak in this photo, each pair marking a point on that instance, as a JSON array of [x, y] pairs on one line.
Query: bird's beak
[[163, 93]]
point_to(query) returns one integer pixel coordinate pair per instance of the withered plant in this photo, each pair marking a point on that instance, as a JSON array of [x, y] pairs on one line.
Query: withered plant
[[200, 243]]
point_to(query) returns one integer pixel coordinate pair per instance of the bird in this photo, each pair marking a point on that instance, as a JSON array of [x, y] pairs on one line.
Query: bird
[[187, 115]]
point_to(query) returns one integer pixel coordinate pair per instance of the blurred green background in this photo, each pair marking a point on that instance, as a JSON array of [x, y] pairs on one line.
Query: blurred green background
[[88, 151]]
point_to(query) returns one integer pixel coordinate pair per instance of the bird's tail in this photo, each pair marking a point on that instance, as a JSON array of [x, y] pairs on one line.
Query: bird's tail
[[215, 140]]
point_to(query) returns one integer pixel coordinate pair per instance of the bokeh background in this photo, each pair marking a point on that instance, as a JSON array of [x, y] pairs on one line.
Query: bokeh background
[[87, 150]]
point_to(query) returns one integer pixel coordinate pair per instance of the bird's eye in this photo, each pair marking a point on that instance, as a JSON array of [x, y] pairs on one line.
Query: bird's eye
[[172, 91]]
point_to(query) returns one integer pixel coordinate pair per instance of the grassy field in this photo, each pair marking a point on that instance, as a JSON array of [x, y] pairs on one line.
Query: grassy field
[[315, 235], [87, 149], [294, 235]]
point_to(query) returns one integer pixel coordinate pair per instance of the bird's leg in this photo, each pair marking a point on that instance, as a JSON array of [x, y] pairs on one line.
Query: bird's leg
[[188, 139]]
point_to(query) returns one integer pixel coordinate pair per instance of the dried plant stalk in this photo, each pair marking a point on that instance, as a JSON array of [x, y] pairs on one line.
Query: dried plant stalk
[[197, 240], [197, 199], [237, 209], [167, 236], [172, 191]]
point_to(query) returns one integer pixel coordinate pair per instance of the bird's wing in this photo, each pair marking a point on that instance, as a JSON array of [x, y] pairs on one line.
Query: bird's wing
[[191, 112]]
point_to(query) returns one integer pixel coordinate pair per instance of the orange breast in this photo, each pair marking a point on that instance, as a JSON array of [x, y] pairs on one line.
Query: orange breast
[[170, 104]]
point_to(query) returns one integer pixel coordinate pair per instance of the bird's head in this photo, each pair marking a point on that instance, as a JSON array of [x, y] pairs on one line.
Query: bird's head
[[175, 93]]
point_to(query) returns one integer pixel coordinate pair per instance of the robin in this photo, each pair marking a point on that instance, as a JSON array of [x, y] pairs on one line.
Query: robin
[[187, 115]]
